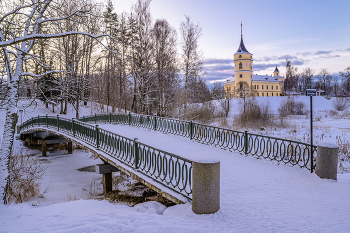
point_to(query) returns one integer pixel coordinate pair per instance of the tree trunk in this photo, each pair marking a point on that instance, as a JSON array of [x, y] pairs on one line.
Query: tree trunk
[[8, 137]]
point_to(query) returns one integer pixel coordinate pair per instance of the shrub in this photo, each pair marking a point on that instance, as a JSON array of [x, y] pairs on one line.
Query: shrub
[[292, 107], [253, 114], [25, 173], [203, 113], [341, 103]]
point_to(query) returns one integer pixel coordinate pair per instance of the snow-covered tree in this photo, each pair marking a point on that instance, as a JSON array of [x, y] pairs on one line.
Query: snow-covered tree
[[23, 24]]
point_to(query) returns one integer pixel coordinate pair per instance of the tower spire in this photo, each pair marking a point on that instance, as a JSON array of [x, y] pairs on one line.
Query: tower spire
[[241, 28]]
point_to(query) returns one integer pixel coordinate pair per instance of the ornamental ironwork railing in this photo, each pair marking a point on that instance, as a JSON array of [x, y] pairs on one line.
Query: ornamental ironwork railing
[[169, 169], [282, 150]]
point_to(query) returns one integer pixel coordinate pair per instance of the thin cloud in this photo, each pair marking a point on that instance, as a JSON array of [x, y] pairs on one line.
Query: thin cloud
[[214, 61], [287, 57], [219, 67], [322, 52]]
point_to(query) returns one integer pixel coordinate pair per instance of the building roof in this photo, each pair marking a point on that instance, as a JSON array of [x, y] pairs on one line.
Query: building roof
[[276, 70], [259, 78], [266, 78], [242, 49]]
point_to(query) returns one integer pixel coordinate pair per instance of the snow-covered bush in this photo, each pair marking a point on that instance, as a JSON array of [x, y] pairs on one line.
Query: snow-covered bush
[[254, 114], [292, 107], [340, 103], [25, 173]]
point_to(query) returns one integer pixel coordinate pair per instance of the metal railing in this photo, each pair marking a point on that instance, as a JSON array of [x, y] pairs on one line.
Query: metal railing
[[169, 169], [273, 148]]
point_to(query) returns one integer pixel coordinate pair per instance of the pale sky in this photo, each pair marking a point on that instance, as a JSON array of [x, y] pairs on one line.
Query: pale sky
[[310, 33]]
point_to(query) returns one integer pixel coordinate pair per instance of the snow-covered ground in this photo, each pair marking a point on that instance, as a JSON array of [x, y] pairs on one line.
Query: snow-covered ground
[[256, 195]]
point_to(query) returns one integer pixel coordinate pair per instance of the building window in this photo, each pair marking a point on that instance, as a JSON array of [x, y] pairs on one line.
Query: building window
[[271, 87], [257, 94], [271, 94], [240, 65], [267, 87], [276, 87], [257, 86], [240, 75], [262, 94], [240, 56], [267, 94], [254, 86], [262, 87], [246, 64]]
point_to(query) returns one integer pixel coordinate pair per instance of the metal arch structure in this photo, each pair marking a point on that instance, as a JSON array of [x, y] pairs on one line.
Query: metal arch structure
[[168, 174]]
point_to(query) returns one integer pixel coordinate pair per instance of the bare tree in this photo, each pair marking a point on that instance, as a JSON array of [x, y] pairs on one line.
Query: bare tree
[[218, 93], [22, 26], [306, 79], [243, 91], [143, 59], [324, 81], [191, 62], [346, 79], [291, 81], [166, 66]]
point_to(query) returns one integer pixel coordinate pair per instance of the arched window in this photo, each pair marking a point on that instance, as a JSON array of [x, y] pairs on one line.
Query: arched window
[[240, 56], [246, 64], [240, 65]]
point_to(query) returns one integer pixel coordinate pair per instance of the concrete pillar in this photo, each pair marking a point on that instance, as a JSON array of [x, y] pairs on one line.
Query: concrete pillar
[[31, 139], [206, 186], [107, 182], [327, 160], [70, 147], [43, 148], [106, 171]]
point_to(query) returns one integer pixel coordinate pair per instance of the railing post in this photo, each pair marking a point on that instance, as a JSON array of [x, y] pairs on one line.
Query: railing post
[[136, 152], [58, 124], [97, 137], [47, 125], [38, 120], [73, 129], [155, 123], [95, 118], [83, 118], [129, 118], [246, 142], [110, 117], [191, 130]]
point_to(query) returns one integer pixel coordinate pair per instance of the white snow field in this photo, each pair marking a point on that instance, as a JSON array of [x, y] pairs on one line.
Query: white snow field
[[257, 195]]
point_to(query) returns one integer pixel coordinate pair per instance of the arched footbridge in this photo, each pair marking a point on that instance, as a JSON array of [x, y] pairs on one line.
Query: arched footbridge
[[164, 172]]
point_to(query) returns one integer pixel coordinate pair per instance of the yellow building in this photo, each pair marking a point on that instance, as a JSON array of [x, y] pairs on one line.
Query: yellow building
[[243, 82]]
